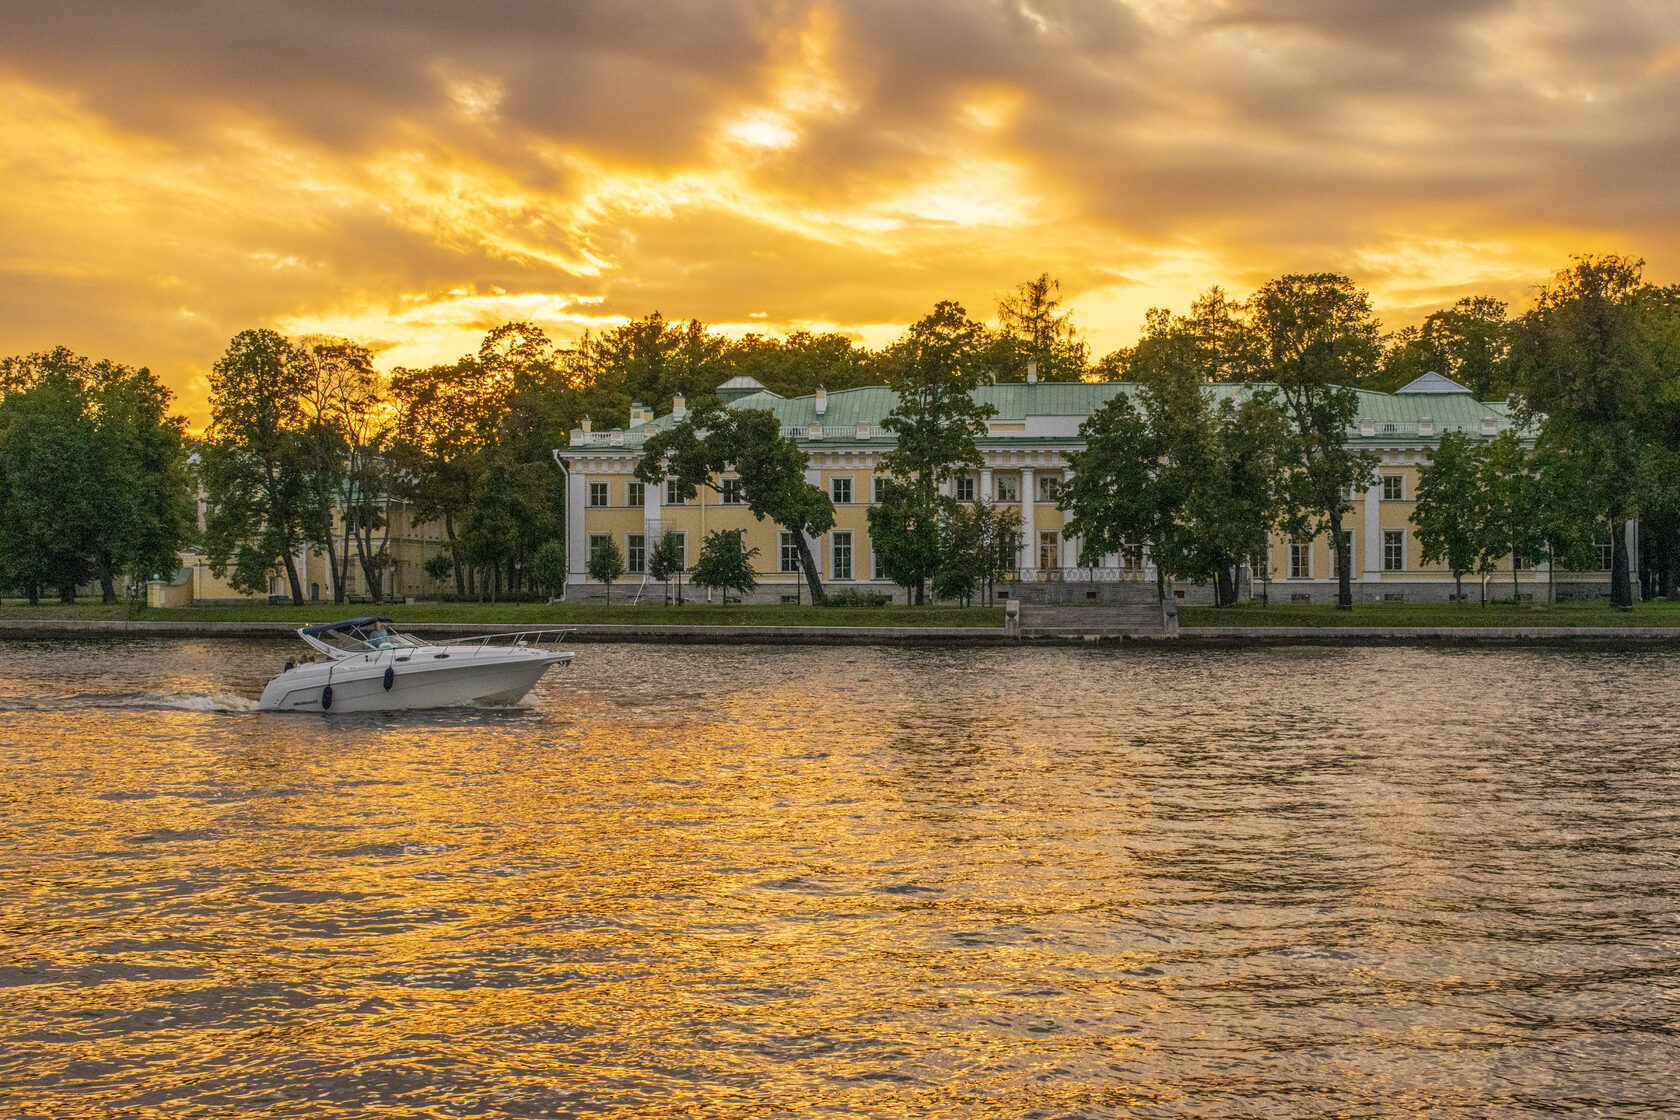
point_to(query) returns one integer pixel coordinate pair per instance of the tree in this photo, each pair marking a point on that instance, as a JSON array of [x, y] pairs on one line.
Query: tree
[[1449, 516], [550, 565], [1594, 358], [1510, 500], [606, 563], [934, 369], [771, 469], [725, 563], [1031, 327], [94, 454], [1219, 478], [1469, 342], [1116, 499], [47, 486], [665, 563], [1316, 336], [256, 464], [979, 541]]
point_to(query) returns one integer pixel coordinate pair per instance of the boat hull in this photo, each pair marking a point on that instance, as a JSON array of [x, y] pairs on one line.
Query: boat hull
[[426, 680]]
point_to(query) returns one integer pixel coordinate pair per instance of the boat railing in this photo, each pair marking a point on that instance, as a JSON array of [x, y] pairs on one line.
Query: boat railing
[[543, 639]]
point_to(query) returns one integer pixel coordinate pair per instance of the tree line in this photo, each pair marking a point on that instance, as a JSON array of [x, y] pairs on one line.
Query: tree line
[[309, 448]]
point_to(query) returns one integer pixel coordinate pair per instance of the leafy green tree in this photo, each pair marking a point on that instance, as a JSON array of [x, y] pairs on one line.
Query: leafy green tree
[[801, 363], [438, 567], [1571, 510], [1032, 327], [1316, 336], [550, 567], [1510, 493], [1118, 500], [1450, 513], [126, 485], [1594, 360], [770, 466], [256, 464], [665, 563], [510, 517], [934, 369], [725, 563], [978, 542], [47, 487], [1469, 342], [606, 563]]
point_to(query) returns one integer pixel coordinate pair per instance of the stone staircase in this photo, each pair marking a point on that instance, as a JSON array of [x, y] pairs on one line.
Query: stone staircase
[[1126, 609]]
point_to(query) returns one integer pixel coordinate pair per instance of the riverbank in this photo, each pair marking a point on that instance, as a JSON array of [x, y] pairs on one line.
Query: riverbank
[[1250, 624]]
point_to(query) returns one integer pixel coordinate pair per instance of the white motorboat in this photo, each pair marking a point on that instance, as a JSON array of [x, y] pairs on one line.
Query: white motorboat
[[364, 666]]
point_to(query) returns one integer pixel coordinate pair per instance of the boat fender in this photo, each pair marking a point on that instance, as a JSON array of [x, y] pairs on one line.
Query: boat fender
[[326, 698], [390, 677]]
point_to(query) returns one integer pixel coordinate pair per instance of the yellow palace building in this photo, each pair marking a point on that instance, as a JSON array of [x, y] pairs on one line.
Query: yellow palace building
[[1024, 462]]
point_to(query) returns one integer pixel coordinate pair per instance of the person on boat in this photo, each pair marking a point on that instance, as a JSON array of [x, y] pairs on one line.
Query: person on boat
[[379, 637]]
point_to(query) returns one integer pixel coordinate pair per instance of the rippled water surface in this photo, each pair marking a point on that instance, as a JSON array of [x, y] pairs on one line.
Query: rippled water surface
[[835, 881]]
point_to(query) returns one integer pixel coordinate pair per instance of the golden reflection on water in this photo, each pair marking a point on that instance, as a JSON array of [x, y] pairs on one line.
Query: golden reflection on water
[[740, 881]]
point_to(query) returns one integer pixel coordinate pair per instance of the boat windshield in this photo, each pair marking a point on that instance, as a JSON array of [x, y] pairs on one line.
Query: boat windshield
[[385, 639], [359, 639]]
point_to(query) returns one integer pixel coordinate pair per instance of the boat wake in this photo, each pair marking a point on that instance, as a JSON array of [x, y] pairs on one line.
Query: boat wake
[[131, 701]]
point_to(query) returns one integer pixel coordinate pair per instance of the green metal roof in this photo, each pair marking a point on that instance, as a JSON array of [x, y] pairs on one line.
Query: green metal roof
[[1383, 417]]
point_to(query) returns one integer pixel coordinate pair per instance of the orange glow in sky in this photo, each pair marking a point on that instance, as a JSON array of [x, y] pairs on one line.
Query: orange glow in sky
[[412, 177]]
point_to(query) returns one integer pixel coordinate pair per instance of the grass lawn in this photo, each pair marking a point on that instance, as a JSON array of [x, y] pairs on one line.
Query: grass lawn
[[1656, 613], [534, 614]]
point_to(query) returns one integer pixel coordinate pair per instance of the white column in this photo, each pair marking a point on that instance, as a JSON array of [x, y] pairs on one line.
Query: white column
[[653, 504], [947, 488], [1373, 531], [576, 531], [1029, 537], [986, 493]]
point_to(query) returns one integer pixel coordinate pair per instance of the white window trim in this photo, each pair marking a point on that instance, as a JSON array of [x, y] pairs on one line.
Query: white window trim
[[833, 553]]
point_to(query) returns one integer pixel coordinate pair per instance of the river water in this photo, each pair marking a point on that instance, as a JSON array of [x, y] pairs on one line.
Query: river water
[[739, 881]]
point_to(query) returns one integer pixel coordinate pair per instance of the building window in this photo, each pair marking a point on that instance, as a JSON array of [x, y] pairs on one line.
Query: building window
[[1336, 557], [965, 488], [635, 553], [1049, 486], [1050, 549], [681, 541], [1394, 550], [1394, 487], [789, 554], [1606, 556], [842, 568], [1008, 487], [671, 498], [880, 488], [597, 493], [731, 492], [1300, 558], [876, 571], [635, 495], [597, 541], [1520, 563], [840, 491]]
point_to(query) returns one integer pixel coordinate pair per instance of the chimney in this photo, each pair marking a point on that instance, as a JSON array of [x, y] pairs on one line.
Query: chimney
[[679, 407], [638, 414], [586, 424], [822, 400], [1032, 372]]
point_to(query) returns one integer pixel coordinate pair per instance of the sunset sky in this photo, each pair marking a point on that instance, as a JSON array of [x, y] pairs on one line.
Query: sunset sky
[[411, 174]]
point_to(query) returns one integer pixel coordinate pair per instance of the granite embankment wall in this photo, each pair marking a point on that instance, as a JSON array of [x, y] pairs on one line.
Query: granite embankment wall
[[1211, 636]]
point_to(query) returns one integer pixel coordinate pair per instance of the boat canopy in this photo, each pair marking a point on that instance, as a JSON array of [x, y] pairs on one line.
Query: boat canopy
[[340, 627]]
